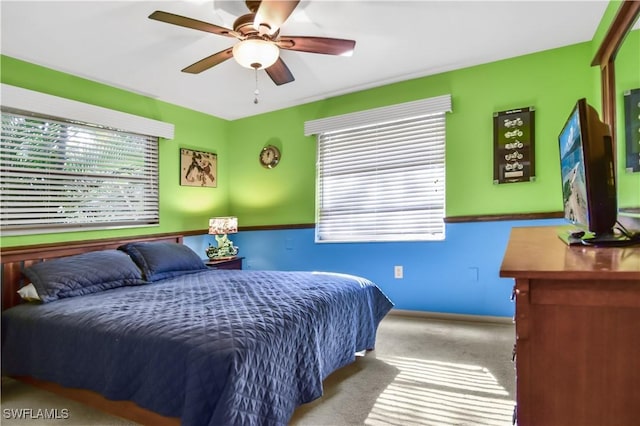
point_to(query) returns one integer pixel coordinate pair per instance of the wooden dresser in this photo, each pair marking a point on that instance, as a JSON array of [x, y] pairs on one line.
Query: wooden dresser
[[577, 352]]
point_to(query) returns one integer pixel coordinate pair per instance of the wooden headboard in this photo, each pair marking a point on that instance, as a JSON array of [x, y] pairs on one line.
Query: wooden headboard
[[15, 259]]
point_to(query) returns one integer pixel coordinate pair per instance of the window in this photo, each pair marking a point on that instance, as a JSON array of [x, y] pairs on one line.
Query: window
[[66, 175], [381, 173], [63, 175]]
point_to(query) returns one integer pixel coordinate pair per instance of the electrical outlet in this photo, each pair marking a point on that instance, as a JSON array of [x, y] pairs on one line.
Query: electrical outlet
[[398, 272]]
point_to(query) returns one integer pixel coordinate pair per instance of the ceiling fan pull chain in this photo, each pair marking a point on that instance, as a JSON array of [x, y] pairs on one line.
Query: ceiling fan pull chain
[[256, 92]]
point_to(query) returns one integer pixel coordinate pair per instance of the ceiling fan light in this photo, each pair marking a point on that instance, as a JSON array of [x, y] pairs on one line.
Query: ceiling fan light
[[256, 53]]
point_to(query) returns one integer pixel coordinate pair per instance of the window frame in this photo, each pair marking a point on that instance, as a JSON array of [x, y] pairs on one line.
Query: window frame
[[104, 124], [426, 115]]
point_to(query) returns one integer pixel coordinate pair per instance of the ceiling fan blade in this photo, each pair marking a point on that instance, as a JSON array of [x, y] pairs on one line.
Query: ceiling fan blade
[[279, 73], [273, 13], [328, 46], [209, 61], [183, 21]]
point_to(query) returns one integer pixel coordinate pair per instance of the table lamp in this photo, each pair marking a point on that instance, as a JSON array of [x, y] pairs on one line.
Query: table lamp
[[220, 227]]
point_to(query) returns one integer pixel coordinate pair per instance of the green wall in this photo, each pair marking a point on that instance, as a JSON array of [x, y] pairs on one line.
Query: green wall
[[181, 208], [549, 81]]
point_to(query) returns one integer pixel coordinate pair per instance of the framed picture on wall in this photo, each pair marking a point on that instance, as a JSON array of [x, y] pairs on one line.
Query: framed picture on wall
[[198, 168], [513, 146], [632, 129]]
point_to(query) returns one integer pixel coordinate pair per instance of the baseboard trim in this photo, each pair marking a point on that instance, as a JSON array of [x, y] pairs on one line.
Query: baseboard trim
[[450, 316]]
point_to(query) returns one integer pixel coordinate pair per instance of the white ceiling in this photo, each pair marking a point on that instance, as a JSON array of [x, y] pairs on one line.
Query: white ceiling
[[114, 42]]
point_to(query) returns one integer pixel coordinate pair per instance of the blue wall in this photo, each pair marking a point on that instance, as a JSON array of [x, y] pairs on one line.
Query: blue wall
[[459, 275]]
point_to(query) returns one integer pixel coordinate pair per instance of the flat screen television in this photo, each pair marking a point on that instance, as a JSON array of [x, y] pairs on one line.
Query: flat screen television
[[588, 177]]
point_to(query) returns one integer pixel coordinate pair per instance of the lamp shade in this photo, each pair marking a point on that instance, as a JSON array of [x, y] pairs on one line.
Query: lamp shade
[[223, 225], [256, 53]]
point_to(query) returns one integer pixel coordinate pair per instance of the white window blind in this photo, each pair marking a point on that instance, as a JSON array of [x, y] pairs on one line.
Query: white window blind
[[58, 175], [385, 180]]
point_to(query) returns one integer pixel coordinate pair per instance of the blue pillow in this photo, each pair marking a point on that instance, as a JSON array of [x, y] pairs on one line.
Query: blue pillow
[[83, 274], [159, 260]]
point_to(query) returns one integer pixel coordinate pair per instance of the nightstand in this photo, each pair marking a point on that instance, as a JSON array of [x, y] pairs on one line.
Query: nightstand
[[235, 263]]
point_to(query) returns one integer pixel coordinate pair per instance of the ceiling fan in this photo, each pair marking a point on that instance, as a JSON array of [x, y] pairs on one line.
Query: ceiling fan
[[260, 39]]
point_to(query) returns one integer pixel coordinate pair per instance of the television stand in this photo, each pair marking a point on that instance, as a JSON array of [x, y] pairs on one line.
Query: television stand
[[573, 236], [610, 240]]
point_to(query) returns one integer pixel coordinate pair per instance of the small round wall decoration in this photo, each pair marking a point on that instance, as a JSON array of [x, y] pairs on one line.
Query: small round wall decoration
[[269, 156]]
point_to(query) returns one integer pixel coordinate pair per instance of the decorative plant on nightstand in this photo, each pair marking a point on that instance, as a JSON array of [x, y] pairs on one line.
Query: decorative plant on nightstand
[[220, 227]]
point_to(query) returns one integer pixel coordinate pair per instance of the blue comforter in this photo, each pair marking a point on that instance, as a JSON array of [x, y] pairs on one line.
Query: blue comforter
[[217, 347]]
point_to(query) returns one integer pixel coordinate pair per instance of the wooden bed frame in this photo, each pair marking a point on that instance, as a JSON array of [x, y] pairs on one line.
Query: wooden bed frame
[[14, 259]]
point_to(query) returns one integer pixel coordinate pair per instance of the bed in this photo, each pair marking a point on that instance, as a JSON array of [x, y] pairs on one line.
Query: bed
[[148, 323]]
